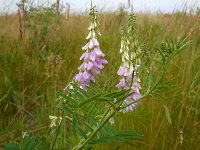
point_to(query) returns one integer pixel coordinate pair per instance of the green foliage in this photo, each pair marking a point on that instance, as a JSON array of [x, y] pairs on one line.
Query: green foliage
[[121, 137], [85, 125], [28, 143], [168, 49], [11, 147], [146, 57], [167, 113], [40, 23]]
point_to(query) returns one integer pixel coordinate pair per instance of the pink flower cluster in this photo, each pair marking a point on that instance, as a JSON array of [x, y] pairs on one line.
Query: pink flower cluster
[[125, 83], [93, 63]]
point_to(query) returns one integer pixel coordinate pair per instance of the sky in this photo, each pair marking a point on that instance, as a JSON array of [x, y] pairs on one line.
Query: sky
[[165, 6]]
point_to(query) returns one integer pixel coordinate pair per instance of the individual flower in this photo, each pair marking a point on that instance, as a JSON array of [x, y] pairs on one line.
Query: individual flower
[[93, 57], [122, 84], [55, 121], [112, 121]]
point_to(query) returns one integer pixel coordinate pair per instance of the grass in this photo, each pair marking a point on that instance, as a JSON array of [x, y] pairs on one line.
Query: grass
[[32, 71]]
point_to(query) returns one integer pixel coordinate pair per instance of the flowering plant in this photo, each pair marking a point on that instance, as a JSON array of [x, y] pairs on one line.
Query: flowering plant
[[93, 56], [89, 107]]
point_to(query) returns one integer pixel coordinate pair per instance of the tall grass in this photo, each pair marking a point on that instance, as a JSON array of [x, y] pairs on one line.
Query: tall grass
[[33, 70]]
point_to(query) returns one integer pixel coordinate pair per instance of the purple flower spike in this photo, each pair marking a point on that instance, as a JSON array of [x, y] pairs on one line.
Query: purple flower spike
[[92, 65], [135, 89], [128, 73], [93, 57]]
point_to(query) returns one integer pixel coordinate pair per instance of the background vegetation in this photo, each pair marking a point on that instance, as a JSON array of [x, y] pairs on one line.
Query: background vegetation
[[34, 68]]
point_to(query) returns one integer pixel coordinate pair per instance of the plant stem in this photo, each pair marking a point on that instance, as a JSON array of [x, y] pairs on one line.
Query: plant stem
[[109, 115], [54, 142], [81, 145]]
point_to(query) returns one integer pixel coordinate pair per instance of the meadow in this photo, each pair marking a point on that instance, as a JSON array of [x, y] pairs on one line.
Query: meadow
[[34, 68]]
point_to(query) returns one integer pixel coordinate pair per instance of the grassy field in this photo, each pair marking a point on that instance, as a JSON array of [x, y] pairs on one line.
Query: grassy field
[[33, 70]]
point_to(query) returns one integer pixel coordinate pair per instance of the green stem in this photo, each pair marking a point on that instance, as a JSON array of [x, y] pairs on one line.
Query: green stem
[[82, 144], [59, 126], [54, 142], [104, 115], [104, 120]]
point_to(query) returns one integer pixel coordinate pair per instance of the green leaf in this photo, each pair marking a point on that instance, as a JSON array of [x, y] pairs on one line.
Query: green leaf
[[88, 127], [91, 91], [11, 147], [93, 121], [109, 130], [182, 44], [82, 133], [117, 94], [96, 87], [88, 147], [150, 81], [129, 133], [106, 139], [84, 92], [104, 99], [65, 108], [29, 143], [122, 97], [167, 114], [72, 101], [75, 128], [161, 54], [91, 109], [129, 143], [77, 94], [112, 94], [88, 100], [133, 138], [7, 82]]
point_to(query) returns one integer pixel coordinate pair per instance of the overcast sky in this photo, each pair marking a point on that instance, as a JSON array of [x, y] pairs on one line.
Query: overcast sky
[[165, 6]]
